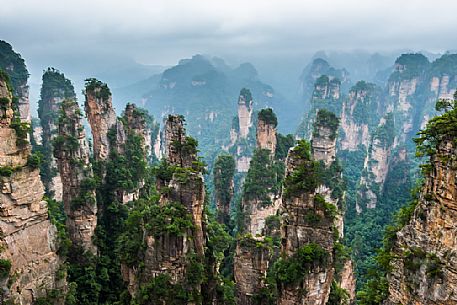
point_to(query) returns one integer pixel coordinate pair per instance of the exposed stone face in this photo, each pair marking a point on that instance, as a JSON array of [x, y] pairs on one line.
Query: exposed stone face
[[250, 269], [324, 145], [428, 241], [266, 135], [28, 238], [244, 116], [102, 118], [136, 122], [49, 110], [76, 176], [174, 138], [347, 280]]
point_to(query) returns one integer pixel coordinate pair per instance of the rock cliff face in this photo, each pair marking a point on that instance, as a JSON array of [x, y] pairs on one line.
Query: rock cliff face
[[101, 117], [377, 163], [360, 114], [244, 113], [423, 263], [54, 90], [28, 239], [72, 152], [266, 130], [136, 121]]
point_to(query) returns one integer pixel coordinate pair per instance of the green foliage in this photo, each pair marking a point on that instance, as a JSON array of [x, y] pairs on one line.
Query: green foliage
[[57, 217], [326, 119], [338, 295], [437, 129], [160, 290], [148, 216], [307, 174], [414, 66], [5, 267], [268, 116], [22, 130], [125, 171], [291, 270], [35, 160], [13, 65], [246, 93], [98, 88], [283, 144], [264, 177], [6, 171]]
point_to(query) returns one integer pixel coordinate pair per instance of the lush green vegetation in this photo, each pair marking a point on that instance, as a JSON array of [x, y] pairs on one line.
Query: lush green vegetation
[[283, 144], [290, 270], [14, 65], [5, 267], [246, 93], [414, 65], [98, 88], [264, 177], [327, 119], [268, 116], [305, 177], [223, 175]]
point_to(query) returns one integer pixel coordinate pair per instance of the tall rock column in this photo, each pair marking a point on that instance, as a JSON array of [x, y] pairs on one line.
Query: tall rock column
[[259, 205], [101, 117], [54, 90], [223, 174], [72, 152], [28, 240], [307, 233], [241, 142], [173, 233]]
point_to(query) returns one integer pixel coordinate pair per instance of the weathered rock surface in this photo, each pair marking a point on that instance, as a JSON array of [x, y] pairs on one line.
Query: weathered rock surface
[[423, 264], [102, 118], [72, 153], [28, 239]]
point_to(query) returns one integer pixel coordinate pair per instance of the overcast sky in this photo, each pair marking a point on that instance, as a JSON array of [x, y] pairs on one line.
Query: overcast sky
[[87, 32]]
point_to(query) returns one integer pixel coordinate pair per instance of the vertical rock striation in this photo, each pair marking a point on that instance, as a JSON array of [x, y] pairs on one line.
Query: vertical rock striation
[[102, 118], [28, 239], [55, 88], [72, 152], [259, 204], [423, 260]]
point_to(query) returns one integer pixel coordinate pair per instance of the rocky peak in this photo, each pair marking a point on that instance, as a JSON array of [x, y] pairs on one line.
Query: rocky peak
[[177, 150], [55, 88], [266, 130], [101, 117], [136, 121], [72, 152], [324, 136], [327, 87], [244, 112]]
